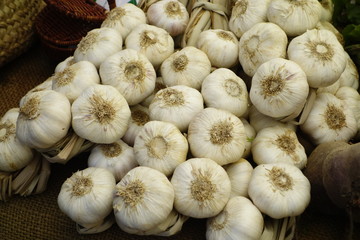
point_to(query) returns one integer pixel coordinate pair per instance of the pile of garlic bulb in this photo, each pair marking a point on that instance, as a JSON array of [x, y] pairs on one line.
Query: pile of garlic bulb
[[213, 131]]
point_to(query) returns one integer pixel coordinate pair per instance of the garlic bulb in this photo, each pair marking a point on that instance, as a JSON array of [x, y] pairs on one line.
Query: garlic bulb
[[86, 197], [324, 25], [250, 135], [117, 157], [100, 114], [44, 118], [124, 18], [188, 66], [202, 188], [97, 45], [75, 78], [64, 64], [159, 84], [279, 88], [247, 13], [170, 15], [327, 10], [262, 42], [240, 219], [217, 134], [154, 42], [177, 105], [140, 115], [143, 199], [223, 89], [160, 145], [279, 190], [131, 73], [294, 17], [13, 154], [329, 89], [320, 55], [330, 119], [239, 173], [221, 46], [278, 144], [350, 76]]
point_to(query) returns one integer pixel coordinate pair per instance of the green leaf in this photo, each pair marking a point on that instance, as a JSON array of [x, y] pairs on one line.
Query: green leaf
[[351, 34]]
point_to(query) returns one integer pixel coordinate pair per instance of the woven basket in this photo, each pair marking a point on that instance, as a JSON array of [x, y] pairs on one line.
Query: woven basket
[[17, 19]]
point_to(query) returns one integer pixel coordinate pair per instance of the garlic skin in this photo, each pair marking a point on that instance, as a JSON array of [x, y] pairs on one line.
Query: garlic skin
[[143, 199], [188, 66], [286, 14], [100, 114], [350, 76], [161, 146], [170, 15], [240, 219], [327, 10], [44, 118], [217, 134], [320, 55], [64, 64], [325, 25], [223, 89], [177, 105], [117, 157], [97, 45], [279, 190], [279, 88], [202, 188], [221, 47], [261, 43], [131, 73], [239, 173], [330, 89], [140, 115], [13, 154], [124, 18], [154, 42], [159, 84], [75, 78]]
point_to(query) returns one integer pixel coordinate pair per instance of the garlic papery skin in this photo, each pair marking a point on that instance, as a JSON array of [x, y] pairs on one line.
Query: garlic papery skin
[[140, 115], [160, 145], [320, 55], [177, 105], [247, 13], [221, 47], [124, 18], [217, 134], [188, 66], [117, 157], [325, 25], [97, 45], [100, 114], [350, 76], [44, 118], [327, 10], [330, 119], [170, 15], [262, 42], [154, 42], [202, 188], [143, 199], [250, 135], [131, 73], [279, 88], [64, 64], [159, 84], [329, 89], [14, 155], [278, 144], [223, 89], [86, 197], [294, 17], [240, 219], [239, 173], [279, 190], [75, 78]]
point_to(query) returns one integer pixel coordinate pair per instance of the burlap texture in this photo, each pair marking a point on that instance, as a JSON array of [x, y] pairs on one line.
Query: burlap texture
[[38, 216]]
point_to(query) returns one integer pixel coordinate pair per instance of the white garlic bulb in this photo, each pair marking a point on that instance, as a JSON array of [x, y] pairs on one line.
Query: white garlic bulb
[[287, 15], [140, 115], [86, 197], [262, 42], [117, 157], [350, 76], [188, 66], [239, 173], [217, 134], [279, 190], [159, 84], [14, 155], [143, 199], [330, 89], [202, 188], [250, 135], [223, 89], [100, 114], [221, 47], [131, 73], [240, 219], [327, 10], [64, 64], [177, 104], [320, 55]]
